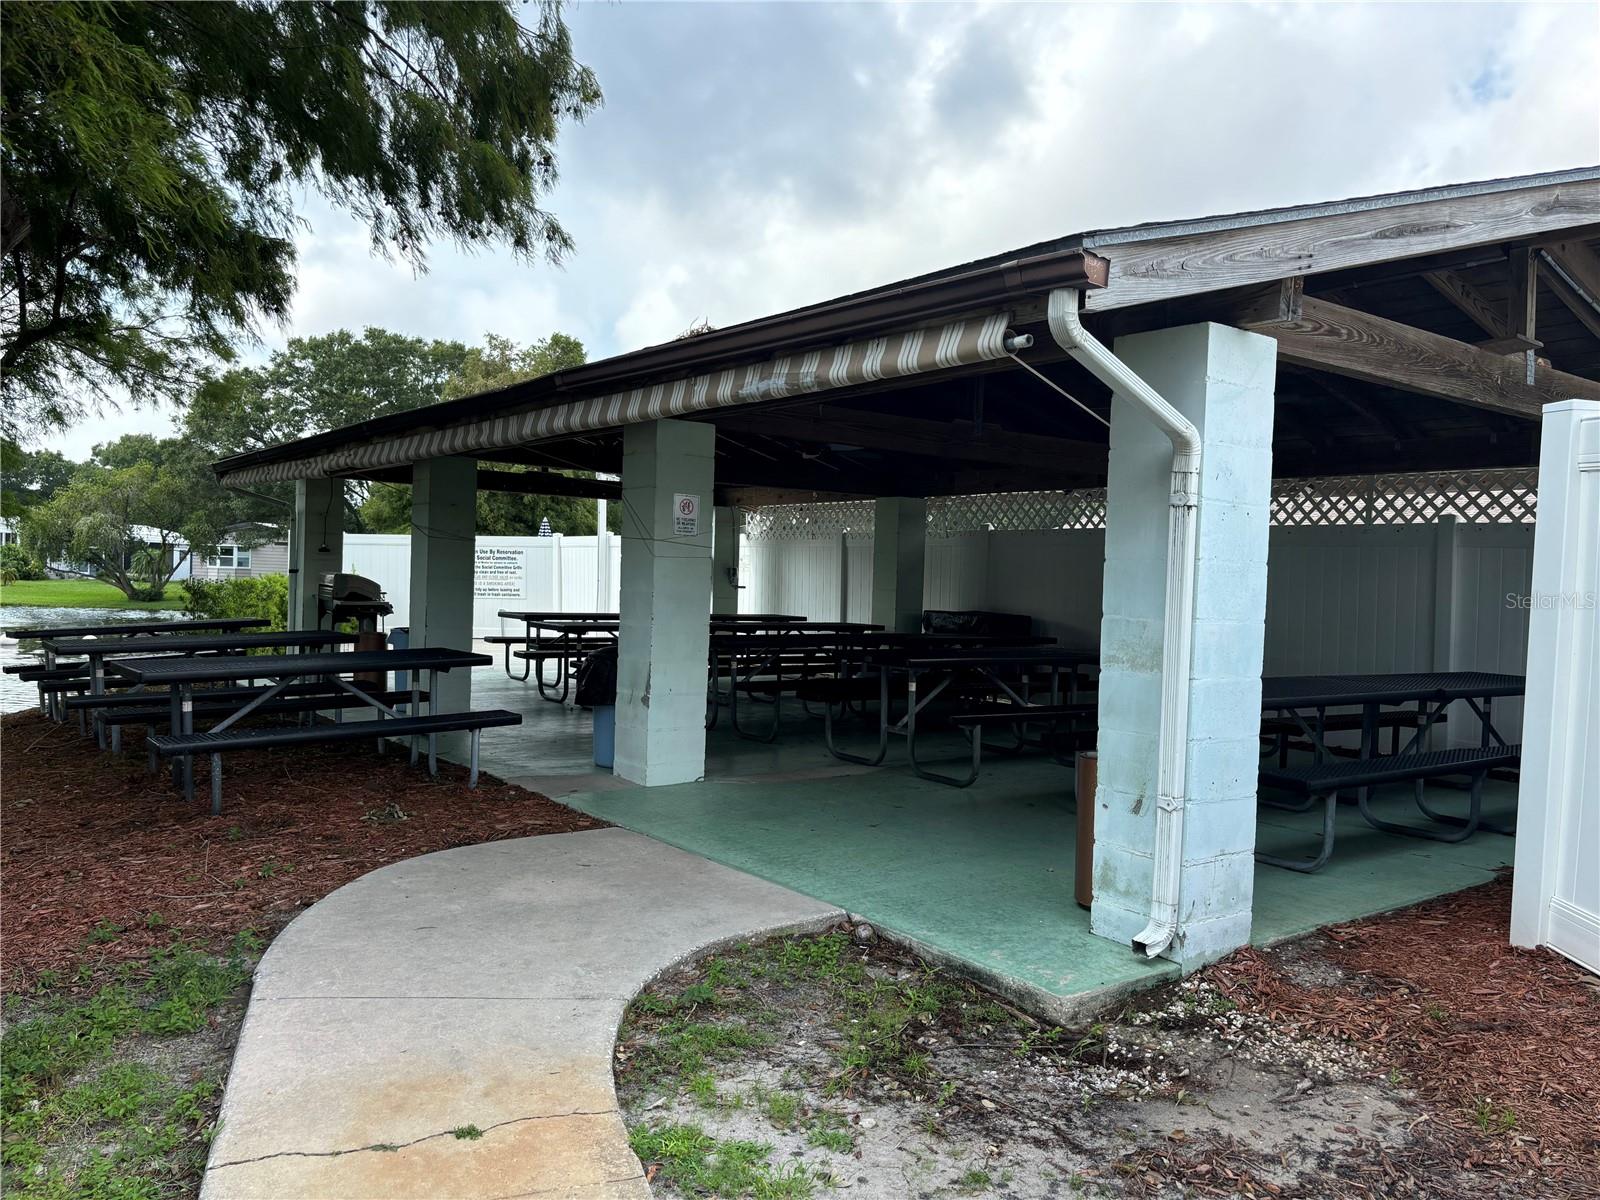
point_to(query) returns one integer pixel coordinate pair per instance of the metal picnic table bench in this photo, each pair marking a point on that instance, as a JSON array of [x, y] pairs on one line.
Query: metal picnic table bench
[[181, 675], [1308, 697]]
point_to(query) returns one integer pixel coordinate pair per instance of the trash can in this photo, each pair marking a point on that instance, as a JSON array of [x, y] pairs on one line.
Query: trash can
[[597, 690], [1083, 868], [400, 639], [605, 734]]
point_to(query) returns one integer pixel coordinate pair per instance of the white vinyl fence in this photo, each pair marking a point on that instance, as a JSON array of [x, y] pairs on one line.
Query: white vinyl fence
[[1438, 594], [572, 574], [1557, 882]]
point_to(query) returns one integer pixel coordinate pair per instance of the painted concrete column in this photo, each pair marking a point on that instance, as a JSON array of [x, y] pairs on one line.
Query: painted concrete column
[[899, 552], [668, 469], [725, 560], [1222, 380], [444, 519], [316, 546]]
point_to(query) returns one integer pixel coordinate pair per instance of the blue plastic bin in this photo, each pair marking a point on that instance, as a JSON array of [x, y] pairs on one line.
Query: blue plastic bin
[[605, 734], [400, 639]]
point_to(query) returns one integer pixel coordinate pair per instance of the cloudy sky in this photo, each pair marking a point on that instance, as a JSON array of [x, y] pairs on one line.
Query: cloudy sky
[[755, 156]]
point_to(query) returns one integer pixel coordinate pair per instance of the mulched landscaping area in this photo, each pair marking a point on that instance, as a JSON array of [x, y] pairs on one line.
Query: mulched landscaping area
[[1501, 1045], [133, 920], [101, 857]]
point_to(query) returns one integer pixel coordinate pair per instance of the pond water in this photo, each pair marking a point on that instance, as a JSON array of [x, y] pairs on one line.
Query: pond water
[[15, 694]]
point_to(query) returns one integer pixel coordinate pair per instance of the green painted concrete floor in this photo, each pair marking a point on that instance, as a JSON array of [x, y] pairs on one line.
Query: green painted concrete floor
[[982, 874]]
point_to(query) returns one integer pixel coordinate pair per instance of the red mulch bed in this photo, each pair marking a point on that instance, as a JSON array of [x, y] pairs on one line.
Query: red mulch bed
[[89, 837], [1483, 1032]]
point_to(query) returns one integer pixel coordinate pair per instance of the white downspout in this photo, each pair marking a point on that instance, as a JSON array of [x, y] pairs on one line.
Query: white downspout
[[1177, 639]]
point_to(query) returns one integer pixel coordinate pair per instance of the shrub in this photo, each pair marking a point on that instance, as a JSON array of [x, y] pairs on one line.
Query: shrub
[[16, 563], [249, 596]]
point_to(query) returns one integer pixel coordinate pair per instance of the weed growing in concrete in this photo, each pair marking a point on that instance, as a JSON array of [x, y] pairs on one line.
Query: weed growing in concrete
[[466, 1133]]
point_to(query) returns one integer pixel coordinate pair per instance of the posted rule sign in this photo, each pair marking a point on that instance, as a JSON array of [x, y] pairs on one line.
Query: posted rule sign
[[685, 515]]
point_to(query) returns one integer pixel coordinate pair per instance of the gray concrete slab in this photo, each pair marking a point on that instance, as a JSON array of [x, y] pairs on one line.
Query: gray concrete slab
[[477, 987]]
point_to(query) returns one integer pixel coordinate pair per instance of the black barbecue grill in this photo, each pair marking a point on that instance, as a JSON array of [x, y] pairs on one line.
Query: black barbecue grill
[[345, 597]]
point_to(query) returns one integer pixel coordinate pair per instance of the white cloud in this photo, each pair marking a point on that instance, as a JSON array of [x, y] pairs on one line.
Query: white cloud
[[756, 157]]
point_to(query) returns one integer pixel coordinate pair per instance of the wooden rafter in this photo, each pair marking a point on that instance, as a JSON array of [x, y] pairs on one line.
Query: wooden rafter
[[959, 441], [1575, 280]]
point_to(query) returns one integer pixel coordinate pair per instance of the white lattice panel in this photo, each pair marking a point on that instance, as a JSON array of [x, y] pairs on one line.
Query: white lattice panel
[[1497, 497], [824, 520], [1500, 497]]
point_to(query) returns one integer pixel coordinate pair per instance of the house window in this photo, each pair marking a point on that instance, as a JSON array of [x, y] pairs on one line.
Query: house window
[[229, 556]]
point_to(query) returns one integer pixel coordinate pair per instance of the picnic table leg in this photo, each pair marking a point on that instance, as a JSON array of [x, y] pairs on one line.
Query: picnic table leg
[[433, 754], [472, 774], [188, 727], [97, 688], [1307, 865], [883, 726], [175, 697], [415, 710], [216, 785]]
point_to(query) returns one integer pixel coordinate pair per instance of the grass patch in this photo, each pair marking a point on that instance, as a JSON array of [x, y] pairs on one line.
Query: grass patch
[[81, 1122], [690, 1159], [84, 593]]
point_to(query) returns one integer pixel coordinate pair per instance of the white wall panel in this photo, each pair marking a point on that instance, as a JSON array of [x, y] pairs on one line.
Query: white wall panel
[[387, 559]]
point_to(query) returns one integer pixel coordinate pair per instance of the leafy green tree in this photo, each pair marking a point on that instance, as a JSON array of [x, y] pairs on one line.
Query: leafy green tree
[[499, 362], [134, 513], [315, 384], [154, 154], [319, 383], [30, 476]]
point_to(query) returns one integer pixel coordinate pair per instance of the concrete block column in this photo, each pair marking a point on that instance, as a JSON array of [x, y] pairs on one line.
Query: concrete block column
[[725, 560], [444, 520], [1222, 380], [899, 553], [668, 471], [316, 546]]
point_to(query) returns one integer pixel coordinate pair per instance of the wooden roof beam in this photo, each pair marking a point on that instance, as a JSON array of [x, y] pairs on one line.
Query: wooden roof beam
[[1346, 341], [1163, 268]]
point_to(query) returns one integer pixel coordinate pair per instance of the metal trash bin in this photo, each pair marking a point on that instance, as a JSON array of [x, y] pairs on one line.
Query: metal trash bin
[[1088, 776]]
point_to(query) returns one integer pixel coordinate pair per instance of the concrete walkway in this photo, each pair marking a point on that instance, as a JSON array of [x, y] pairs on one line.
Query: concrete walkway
[[476, 989]]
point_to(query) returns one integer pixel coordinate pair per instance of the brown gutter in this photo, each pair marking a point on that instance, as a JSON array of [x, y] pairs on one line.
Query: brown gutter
[[856, 315]]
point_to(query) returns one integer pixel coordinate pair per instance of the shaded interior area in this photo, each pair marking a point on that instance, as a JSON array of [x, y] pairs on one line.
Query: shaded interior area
[[983, 875]]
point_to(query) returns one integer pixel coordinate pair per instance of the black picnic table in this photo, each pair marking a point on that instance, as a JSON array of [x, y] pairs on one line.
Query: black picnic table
[[995, 663], [98, 650], [1306, 698], [128, 628], [180, 675]]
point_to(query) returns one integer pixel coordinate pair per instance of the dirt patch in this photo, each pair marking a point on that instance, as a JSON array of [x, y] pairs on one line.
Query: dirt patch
[[106, 861], [792, 1067]]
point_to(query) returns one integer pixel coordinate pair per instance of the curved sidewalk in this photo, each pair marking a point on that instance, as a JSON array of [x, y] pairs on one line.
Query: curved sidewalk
[[443, 1027]]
